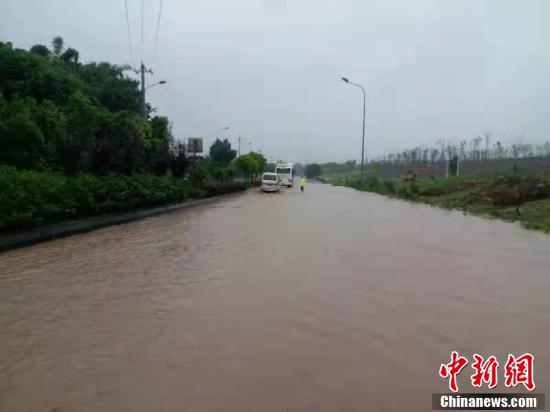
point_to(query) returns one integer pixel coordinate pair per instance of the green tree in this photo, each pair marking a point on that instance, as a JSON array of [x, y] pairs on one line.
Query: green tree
[[245, 164], [83, 121], [108, 85], [250, 163], [21, 140], [260, 160], [57, 45], [313, 170], [198, 174], [157, 147], [70, 55], [221, 153], [59, 114], [118, 143], [41, 50], [53, 123], [179, 161]]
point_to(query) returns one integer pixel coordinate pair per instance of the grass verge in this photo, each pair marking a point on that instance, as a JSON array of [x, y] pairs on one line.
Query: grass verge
[[510, 197]]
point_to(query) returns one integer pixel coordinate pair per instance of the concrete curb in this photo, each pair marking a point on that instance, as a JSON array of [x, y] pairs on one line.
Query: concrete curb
[[49, 232]]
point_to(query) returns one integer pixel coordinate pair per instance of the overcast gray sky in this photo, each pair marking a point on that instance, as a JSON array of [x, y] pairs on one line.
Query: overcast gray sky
[[270, 69]]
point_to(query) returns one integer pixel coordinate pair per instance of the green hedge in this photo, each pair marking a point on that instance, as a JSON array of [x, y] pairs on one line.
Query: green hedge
[[223, 188], [30, 198]]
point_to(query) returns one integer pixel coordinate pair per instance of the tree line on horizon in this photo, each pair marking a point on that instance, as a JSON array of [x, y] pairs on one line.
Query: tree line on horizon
[[480, 148]]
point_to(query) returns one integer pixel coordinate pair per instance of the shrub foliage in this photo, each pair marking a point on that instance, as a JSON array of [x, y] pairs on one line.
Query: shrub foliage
[[30, 198]]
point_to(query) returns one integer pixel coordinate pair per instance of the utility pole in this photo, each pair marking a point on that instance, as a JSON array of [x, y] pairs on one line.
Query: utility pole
[[142, 89], [144, 70]]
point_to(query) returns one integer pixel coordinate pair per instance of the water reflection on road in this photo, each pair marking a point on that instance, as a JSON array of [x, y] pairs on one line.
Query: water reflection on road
[[331, 300]]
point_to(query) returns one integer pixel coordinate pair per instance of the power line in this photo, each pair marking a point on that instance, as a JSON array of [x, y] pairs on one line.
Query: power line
[[157, 32], [129, 32]]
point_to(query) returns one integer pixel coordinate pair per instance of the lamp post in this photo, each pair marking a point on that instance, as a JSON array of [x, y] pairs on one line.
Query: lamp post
[[143, 88], [155, 84], [345, 79]]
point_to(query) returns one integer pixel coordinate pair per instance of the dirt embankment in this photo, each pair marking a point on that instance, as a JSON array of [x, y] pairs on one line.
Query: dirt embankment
[[509, 197], [500, 191], [512, 191]]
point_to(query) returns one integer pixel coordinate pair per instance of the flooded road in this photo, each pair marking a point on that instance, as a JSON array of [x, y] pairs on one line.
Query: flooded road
[[331, 300]]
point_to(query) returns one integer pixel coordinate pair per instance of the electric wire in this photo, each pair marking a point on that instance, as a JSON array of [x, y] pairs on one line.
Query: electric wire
[[157, 32], [129, 32], [142, 31]]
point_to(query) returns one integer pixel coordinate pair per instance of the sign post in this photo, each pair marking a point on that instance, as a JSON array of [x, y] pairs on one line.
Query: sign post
[[194, 145]]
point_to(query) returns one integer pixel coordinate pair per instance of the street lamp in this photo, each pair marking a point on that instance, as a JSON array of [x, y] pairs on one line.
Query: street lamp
[[221, 130], [156, 84], [345, 79], [143, 88]]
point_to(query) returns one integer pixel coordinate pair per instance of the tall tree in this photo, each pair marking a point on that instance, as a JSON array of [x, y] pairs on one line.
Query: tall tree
[[41, 50], [221, 153], [179, 161], [21, 140], [313, 170], [57, 45], [157, 147], [70, 55], [251, 163]]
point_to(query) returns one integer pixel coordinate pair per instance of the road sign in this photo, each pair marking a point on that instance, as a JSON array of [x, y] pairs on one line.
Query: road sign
[[194, 145]]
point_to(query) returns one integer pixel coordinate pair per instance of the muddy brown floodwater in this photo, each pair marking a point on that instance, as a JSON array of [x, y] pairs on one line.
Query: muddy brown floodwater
[[330, 300]]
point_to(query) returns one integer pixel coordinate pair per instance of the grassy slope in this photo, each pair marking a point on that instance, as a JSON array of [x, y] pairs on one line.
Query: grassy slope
[[505, 196]]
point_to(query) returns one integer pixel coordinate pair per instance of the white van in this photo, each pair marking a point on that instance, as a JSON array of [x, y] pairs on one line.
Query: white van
[[270, 182]]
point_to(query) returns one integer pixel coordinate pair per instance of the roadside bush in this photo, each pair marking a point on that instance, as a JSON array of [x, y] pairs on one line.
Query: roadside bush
[[408, 191], [371, 184], [354, 183], [389, 187], [222, 188], [376, 185], [413, 189], [198, 174], [312, 170], [31, 198]]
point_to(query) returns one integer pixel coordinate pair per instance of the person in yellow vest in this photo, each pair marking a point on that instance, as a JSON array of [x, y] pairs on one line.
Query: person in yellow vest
[[302, 183]]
